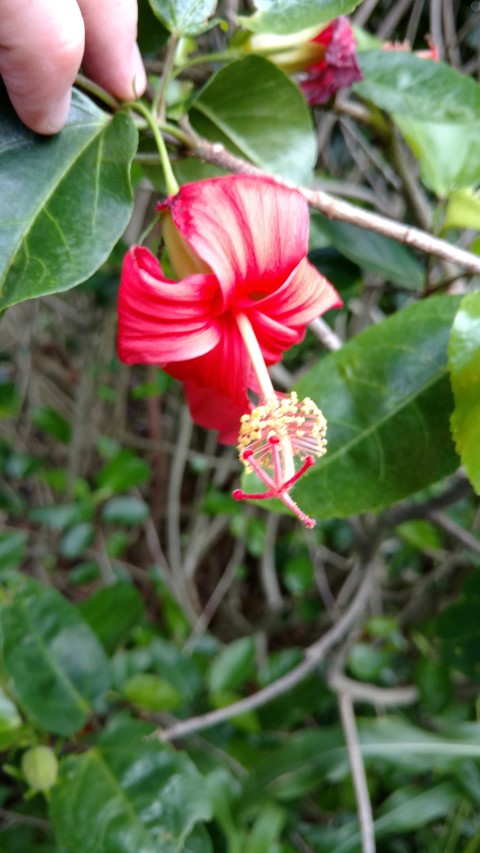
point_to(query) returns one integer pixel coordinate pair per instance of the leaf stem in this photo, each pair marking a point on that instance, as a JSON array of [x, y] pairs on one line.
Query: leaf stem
[[159, 105], [170, 180], [97, 91]]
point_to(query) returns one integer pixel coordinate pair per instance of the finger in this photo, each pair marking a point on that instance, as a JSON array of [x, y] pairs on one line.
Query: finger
[[41, 47], [112, 57]]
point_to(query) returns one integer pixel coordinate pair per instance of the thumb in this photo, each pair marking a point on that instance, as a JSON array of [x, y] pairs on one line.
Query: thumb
[[41, 48]]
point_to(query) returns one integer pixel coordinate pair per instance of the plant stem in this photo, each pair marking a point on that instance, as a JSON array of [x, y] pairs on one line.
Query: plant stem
[[159, 102], [170, 180], [334, 208], [97, 91]]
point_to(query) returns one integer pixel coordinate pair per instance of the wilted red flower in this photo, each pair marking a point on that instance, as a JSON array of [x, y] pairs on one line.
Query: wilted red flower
[[246, 293], [339, 67]]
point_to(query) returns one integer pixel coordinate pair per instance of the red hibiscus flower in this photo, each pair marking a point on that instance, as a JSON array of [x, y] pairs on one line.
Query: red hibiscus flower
[[246, 293], [337, 69]]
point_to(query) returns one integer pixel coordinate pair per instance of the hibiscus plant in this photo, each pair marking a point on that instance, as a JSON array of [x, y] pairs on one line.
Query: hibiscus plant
[[240, 440]]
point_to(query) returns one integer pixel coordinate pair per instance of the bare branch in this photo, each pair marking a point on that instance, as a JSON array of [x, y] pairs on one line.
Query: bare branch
[[335, 208], [383, 697], [313, 655], [364, 806]]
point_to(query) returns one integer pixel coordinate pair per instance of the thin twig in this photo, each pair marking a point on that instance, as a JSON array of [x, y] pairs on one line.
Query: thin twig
[[327, 337], [179, 460], [314, 654], [459, 488], [451, 528], [217, 596], [359, 778], [383, 697], [335, 208], [268, 570]]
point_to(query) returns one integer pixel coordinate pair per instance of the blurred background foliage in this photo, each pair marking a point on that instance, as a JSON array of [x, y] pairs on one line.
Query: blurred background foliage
[[136, 593]]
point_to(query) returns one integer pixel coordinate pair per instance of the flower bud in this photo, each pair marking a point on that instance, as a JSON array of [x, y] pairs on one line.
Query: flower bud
[[40, 768], [291, 53]]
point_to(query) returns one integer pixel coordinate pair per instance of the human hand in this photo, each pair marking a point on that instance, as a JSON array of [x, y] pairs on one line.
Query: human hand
[[43, 42]]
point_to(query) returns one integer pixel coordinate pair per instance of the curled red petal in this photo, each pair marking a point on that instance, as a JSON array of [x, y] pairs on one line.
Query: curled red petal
[[251, 231], [280, 319], [224, 369], [159, 320]]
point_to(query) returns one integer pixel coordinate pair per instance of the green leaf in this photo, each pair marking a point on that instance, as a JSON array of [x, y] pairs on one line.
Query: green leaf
[[458, 628], [448, 154], [53, 663], [289, 16], [184, 17], [128, 794], [152, 692], [374, 252], [123, 471], [12, 549], [464, 363], [164, 659], [125, 510], [51, 422], [266, 830], [112, 612], [62, 516], [407, 809], [233, 665], [387, 400], [434, 683], [256, 111], [10, 721], [76, 540], [402, 83], [65, 199], [463, 210]]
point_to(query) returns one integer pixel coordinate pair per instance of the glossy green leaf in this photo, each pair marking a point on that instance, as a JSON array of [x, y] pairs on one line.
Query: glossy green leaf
[[408, 809], [256, 111], [448, 153], [463, 210], [62, 516], [152, 692], [400, 82], [307, 758], [12, 549], [434, 684], [65, 199], [53, 663], [126, 510], [51, 422], [387, 399], [289, 16], [123, 471], [464, 363], [112, 612], [393, 261], [458, 628], [76, 540], [129, 794], [233, 665], [266, 830], [184, 17], [10, 721]]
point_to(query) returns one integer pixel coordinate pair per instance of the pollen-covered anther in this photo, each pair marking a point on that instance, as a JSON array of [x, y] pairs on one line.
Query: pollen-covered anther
[[281, 418]]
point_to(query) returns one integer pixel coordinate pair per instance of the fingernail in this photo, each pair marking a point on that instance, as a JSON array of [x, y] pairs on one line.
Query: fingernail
[[55, 119], [138, 74]]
